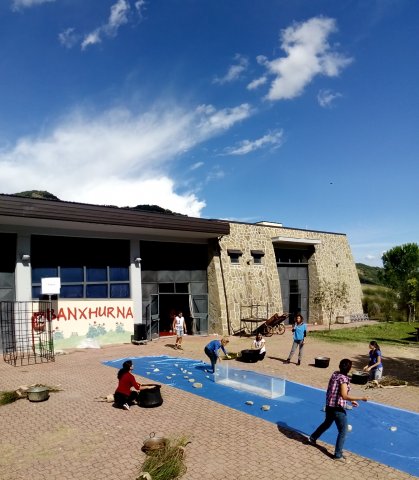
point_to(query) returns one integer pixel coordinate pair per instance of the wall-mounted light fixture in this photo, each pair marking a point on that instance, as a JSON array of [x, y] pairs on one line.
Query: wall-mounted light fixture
[[137, 260], [25, 258]]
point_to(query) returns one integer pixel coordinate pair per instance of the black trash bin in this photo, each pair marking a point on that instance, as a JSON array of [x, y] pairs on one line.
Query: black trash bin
[[140, 332]]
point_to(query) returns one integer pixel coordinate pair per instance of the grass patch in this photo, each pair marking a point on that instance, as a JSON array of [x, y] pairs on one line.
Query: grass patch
[[397, 333], [167, 463], [8, 396]]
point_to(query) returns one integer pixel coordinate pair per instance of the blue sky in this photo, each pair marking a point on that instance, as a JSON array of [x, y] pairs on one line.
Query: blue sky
[[302, 112]]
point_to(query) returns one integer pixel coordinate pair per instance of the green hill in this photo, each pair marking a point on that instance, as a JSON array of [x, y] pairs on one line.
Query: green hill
[[37, 194], [49, 196], [369, 275]]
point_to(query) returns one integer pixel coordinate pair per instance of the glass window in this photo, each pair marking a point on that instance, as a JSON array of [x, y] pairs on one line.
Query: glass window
[[119, 290], [166, 288], [43, 272], [294, 286], [71, 274], [97, 291], [71, 291], [87, 267], [257, 258], [234, 258], [118, 274], [36, 292], [182, 287], [96, 274]]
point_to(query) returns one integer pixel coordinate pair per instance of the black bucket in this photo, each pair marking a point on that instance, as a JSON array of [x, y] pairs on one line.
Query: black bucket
[[360, 378], [249, 356], [150, 397], [321, 362]]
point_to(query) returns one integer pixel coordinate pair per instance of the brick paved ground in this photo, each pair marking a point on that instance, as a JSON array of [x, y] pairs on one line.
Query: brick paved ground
[[71, 436]]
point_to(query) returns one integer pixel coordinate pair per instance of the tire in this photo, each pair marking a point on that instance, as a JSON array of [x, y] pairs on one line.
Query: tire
[[269, 331], [280, 329]]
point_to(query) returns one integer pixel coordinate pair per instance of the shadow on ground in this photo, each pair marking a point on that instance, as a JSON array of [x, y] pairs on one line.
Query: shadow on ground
[[300, 438], [406, 369]]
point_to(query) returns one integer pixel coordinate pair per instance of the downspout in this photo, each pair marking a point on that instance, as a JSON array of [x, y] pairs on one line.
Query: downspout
[[224, 286]]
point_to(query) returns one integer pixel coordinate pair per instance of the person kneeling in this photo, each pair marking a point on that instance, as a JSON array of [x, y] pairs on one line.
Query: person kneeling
[[259, 344], [124, 396]]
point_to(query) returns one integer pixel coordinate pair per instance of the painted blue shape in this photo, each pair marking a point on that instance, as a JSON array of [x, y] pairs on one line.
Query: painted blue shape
[[301, 409]]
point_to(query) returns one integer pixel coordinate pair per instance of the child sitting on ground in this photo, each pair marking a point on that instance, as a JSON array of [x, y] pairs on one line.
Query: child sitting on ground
[[259, 344]]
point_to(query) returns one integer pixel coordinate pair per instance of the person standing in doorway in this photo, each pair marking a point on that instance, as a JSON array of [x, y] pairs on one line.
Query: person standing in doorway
[[336, 397], [179, 326], [299, 331]]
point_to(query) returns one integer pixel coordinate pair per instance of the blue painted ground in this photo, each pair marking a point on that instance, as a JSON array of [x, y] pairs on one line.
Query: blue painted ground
[[385, 434]]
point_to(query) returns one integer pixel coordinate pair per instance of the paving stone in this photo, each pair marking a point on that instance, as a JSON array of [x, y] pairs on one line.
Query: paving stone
[[72, 436]]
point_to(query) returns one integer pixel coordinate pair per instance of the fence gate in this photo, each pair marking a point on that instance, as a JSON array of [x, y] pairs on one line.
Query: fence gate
[[26, 333]]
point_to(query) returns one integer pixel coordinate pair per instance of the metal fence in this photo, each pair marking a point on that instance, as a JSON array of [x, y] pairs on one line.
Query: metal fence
[[26, 333]]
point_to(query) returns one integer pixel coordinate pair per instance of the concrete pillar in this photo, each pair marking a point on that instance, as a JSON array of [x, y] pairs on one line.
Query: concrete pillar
[[23, 275]]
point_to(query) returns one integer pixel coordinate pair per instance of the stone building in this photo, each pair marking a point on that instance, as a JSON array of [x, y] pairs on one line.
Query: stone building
[[121, 271], [279, 269]]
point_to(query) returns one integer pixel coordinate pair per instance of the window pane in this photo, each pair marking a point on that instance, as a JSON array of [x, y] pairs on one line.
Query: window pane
[[36, 292], [293, 286], [166, 288], [71, 291], [182, 287], [120, 290], [43, 272], [71, 274], [96, 291], [118, 274], [98, 274]]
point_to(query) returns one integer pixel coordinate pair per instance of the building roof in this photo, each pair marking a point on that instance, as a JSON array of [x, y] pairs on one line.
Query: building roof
[[16, 210]]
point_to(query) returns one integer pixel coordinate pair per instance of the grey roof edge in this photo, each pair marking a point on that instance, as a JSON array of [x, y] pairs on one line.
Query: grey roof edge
[[38, 208]]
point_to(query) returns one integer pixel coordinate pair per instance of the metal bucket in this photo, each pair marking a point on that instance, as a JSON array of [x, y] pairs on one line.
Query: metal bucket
[[154, 444], [38, 394]]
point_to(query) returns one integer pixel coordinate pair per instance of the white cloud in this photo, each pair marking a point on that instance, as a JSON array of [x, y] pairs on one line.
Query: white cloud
[[118, 17], [120, 14], [139, 5], [91, 38], [20, 4], [116, 158], [196, 165], [326, 98], [235, 71], [308, 54], [257, 83], [272, 139], [68, 38], [215, 174]]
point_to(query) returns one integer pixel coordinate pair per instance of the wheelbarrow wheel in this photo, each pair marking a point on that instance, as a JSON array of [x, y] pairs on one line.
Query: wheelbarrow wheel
[[280, 329], [269, 331]]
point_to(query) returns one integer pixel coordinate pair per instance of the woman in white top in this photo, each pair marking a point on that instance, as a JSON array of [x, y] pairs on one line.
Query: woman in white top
[[179, 326], [259, 344]]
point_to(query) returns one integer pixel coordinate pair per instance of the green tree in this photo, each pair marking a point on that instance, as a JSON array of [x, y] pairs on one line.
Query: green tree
[[401, 273], [331, 297]]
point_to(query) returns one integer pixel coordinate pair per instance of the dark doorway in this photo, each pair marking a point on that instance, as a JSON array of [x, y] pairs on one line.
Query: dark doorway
[[170, 305]]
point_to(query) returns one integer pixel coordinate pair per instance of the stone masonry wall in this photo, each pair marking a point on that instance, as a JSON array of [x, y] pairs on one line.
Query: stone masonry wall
[[232, 286]]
